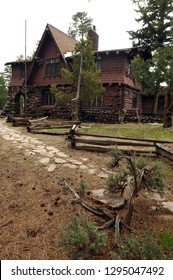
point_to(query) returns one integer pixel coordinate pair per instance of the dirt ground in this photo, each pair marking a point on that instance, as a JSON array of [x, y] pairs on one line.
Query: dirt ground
[[35, 206]]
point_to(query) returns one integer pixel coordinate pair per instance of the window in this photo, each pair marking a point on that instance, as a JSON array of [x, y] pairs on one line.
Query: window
[[134, 100], [48, 98], [52, 67], [128, 68], [22, 71], [95, 102], [97, 63]]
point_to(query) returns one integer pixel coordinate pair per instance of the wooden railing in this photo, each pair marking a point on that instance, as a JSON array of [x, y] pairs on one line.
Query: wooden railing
[[133, 146]]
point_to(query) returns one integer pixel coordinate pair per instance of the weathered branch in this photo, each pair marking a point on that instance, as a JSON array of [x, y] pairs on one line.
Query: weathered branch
[[111, 219], [93, 210], [117, 230]]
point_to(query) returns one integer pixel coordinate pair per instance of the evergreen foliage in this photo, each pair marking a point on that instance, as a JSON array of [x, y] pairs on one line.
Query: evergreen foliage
[[81, 239], [155, 18], [90, 86], [82, 187], [148, 248], [3, 92], [80, 26]]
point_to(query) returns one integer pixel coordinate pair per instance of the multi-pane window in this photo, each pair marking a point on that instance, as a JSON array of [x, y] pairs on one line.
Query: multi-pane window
[[95, 102], [134, 100], [22, 71], [48, 98], [52, 67]]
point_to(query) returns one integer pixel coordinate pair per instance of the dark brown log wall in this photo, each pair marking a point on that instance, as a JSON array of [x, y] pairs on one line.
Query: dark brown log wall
[[38, 76], [112, 67], [111, 98]]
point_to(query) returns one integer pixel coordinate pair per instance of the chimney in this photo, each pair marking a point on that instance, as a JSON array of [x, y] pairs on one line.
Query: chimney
[[94, 37]]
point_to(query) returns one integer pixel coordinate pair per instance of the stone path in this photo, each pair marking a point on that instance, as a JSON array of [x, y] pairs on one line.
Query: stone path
[[51, 157], [48, 156]]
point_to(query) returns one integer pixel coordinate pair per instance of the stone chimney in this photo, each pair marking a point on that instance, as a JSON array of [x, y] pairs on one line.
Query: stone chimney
[[94, 37]]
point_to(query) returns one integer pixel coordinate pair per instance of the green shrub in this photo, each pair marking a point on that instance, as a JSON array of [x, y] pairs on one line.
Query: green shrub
[[82, 240], [116, 182], [82, 187], [131, 249], [154, 178], [148, 248], [115, 157], [166, 243], [151, 249]]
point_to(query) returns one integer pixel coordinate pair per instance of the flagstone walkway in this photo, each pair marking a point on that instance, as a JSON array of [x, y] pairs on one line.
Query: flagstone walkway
[[48, 156], [51, 157]]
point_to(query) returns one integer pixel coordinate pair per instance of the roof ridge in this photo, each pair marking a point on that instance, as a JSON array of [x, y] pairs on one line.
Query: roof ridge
[[60, 31]]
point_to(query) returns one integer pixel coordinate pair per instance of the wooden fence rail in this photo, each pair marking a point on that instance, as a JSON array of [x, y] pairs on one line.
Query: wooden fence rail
[[104, 144]]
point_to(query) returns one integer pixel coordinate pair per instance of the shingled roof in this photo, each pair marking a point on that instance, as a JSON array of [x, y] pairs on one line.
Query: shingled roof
[[64, 42]]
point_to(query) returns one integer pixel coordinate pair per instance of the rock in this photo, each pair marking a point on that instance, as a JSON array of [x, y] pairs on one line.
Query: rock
[[91, 171], [111, 200], [168, 205], [157, 197], [73, 161], [51, 167], [83, 167], [68, 165], [103, 175], [60, 160], [84, 159], [44, 161]]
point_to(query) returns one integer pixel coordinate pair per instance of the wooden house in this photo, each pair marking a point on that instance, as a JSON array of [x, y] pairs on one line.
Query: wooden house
[[29, 91]]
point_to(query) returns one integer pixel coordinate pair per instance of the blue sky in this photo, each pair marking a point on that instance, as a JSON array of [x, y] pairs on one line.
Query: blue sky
[[111, 17]]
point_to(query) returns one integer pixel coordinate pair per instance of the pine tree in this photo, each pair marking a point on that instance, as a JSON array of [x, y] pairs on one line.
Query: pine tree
[[3, 92], [84, 77], [155, 17]]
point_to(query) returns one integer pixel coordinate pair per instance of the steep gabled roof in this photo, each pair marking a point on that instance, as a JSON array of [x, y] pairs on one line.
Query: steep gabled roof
[[64, 42]]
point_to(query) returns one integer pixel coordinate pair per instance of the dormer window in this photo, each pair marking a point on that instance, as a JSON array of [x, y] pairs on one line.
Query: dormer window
[[52, 67]]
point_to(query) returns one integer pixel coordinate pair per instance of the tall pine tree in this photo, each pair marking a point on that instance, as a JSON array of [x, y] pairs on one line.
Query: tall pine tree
[[84, 77], [156, 21], [155, 18]]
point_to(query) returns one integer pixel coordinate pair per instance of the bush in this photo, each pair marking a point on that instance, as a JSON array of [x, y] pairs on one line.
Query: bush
[[149, 248], [116, 156], [166, 243], [82, 240], [82, 187], [116, 182]]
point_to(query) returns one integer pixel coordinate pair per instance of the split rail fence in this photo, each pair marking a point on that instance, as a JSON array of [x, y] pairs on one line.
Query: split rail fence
[[131, 146], [98, 143]]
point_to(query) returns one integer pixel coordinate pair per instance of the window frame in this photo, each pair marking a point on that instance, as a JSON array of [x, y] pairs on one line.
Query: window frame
[[48, 99], [52, 67]]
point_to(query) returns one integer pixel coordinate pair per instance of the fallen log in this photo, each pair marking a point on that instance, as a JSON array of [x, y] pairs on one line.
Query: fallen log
[[35, 131], [100, 149], [17, 121], [37, 120]]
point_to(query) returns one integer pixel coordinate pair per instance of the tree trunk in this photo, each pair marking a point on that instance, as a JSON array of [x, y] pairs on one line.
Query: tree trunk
[[155, 103], [74, 109], [74, 101], [167, 120]]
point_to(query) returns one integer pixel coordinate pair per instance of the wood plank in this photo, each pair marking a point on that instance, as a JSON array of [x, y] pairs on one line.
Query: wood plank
[[109, 142], [164, 152], [125, 138], [107, 149]]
